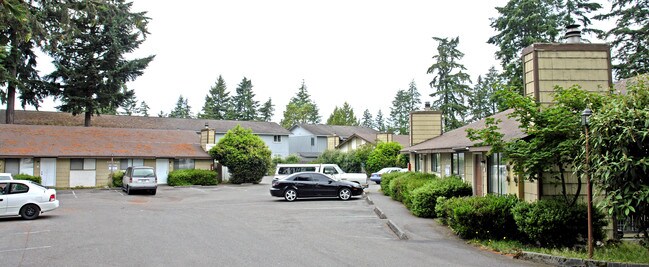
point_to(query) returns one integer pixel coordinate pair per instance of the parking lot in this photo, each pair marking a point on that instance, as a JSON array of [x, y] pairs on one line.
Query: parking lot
[[221, 225]]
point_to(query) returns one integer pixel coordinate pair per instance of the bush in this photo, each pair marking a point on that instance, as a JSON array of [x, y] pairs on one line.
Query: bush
[[245, 154], [488, 217], [424, 199], [35, 179], [552, 223], [384, 155], [401, 187], [385, 181], [353, 161], [117, 178], [192, 177]]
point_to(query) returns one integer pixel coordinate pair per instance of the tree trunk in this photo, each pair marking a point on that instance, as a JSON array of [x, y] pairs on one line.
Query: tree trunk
[[11, 87], [88, 116], [563, 183]]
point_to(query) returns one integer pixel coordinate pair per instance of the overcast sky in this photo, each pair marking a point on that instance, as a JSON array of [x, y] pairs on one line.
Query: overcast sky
[[357, 51]]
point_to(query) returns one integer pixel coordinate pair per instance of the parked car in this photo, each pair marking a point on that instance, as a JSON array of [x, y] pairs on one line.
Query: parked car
[[313, 184], [5, 176], [332, 170], [26, 199], [140, 178], [376, 177]]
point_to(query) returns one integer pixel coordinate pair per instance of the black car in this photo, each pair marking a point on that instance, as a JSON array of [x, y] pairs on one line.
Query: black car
[[313, 184]]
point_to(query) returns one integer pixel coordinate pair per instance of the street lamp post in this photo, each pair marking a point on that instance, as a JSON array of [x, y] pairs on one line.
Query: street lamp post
[[585, 115]]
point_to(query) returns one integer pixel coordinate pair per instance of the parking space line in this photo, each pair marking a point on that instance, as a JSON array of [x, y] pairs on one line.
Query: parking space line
[[75, 194], [24, 249], [119, 192], [29, 233]]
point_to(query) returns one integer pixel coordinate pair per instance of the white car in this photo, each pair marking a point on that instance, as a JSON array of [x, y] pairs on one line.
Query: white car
[[26, 198], [5, 176], [376, 177]]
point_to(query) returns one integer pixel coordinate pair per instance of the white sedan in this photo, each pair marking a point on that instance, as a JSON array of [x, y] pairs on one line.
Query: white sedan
[[26, 198], [6, 176]]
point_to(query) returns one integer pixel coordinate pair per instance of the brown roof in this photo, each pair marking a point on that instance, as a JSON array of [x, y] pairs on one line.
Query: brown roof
[[31, 117], [67, 141], [404, 140], [457, 137], [340, 130], [621, 85]]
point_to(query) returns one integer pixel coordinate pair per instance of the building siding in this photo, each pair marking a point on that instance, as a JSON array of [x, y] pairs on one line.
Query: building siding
[[62, 172], [201, 164], [424, 125]]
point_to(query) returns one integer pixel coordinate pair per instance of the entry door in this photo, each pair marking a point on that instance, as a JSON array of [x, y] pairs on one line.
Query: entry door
[[48, 171], [477, 175], [162, 170]]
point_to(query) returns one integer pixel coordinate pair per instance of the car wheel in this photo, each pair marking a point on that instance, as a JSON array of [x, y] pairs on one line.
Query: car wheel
[[153, 191], [30, 212], [290, 194], [345, 193]]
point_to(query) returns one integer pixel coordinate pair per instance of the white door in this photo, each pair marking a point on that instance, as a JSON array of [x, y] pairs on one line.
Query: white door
[[4, 199], [162, 170], [48, 171]]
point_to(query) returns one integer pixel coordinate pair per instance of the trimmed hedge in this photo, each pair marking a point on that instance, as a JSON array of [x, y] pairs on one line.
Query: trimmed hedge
[[192, 177], [385, 181], [35, 179], [401, 187], [488, 217], [117, 178], [552, 223], [424, 198]]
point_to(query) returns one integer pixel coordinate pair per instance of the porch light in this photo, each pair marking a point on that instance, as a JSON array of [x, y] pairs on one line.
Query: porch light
[[585, 117]]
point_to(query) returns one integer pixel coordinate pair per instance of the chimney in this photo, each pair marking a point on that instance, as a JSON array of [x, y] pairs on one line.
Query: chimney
[[208, 138], [573, 34], [424, 125], [333, 141], [427, 105]]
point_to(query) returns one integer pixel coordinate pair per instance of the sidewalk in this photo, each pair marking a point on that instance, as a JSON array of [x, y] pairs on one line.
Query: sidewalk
[[403, 222]]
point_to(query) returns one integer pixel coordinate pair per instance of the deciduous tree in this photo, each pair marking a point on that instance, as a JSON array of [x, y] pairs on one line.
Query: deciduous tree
[[245, 154]]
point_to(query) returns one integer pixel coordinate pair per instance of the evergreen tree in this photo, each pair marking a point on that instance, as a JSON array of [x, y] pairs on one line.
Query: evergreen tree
[[522, 23], [630, 37], [449, 83], [182, 109], [483, 101], [300, 109], [244, 104], [144, 109], [91, 71], [266, 111], [380, 122], [218, 104], [162, 114], [367, 120], [343, 116], [130, 106], [404, 103]]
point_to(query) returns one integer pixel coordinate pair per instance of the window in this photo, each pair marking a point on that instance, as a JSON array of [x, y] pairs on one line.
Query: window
[[18, 188], [125, 163], [496, 174], [320, 178], [12, 166], [434, 161], [312, 141], [417, 163], [330, 170], [82, 164], [183, 164], [302, 178], [277, 138], [457, 162]]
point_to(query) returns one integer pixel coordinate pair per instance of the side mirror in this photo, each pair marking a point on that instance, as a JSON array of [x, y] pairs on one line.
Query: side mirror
[[330, 181]]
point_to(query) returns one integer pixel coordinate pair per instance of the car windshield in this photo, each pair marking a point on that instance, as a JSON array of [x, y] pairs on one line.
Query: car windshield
[[143, 173]]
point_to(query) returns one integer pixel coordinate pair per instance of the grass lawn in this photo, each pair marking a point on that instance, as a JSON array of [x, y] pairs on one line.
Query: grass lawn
[[624, 252]]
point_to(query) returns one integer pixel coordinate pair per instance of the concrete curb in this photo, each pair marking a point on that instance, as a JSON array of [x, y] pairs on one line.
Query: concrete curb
[[369, 200], [400, 233], [380, 213], [561, 261]]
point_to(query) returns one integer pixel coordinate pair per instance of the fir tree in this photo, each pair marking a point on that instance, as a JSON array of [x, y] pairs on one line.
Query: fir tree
[[367, 120], [144, 109], [182, 109], [244, 104], [450, 83], [483, 101], [405, 101], [266, 111], [218, 104], [130, 106], [300, 109], [91, 69], [343, 116], [380, 122]]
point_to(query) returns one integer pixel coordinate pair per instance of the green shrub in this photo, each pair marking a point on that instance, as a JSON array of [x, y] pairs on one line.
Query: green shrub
[[401, 187], [385, 181], [424, 199], [245, 154], [386, 154], [488, 217], [352, 161], [552, 223], [192, 177], [290, 159], [35, 179], [117, 178]]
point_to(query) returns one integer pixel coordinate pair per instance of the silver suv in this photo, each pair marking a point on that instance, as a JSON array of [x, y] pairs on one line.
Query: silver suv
[[140, 178]]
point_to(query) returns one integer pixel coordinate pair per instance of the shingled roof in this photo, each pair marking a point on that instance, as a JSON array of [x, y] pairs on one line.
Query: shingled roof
[[29, 117], [404, 140], [61, 141], [457, 137], [339, 130]]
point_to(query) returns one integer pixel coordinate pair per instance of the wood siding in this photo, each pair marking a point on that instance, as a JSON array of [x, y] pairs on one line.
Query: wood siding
[[424, 125]]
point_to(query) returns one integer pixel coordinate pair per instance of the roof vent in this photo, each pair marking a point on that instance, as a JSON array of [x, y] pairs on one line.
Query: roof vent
[[573, 34]]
